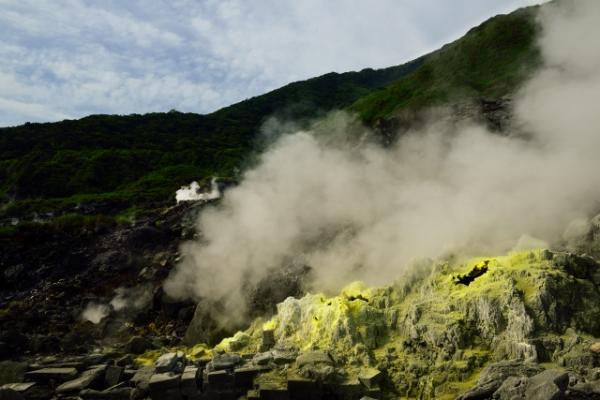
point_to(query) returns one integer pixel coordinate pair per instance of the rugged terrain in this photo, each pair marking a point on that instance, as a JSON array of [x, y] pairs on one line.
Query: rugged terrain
[[89, 231]]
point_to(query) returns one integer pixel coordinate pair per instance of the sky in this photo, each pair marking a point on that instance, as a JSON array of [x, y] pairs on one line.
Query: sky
[[65, 59]]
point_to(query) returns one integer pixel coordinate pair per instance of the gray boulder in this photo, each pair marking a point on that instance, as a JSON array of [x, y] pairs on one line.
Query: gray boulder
[[171, 362], [547, 385], [55, 374], [225, 361], [141, 382], [84, 381], [585, 390], [512, 388], [494, 375]]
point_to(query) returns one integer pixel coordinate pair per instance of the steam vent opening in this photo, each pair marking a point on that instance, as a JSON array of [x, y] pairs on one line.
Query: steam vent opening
[[475, 273]]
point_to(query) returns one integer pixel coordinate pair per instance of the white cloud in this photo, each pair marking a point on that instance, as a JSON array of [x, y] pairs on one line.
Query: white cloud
[[73, 57]]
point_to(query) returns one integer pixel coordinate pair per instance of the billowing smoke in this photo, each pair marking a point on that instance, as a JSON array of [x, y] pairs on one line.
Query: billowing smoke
[[193, 193], [355, 210]]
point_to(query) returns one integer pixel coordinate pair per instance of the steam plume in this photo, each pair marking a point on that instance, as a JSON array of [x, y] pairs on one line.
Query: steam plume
[[363, 212], [95, 313], [192, 192]]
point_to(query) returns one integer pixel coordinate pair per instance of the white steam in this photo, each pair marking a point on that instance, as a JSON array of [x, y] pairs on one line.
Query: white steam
[[193, 193], [364, 212], [126, 301], [131, 299], [95, 313]]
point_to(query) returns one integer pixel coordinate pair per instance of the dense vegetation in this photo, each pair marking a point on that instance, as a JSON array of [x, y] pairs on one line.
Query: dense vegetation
[[117, 162], [143, 159], [490, 61]]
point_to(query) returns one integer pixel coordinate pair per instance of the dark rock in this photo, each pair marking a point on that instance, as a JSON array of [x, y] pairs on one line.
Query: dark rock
[[138, 345], [314, 357], [146, 236], [124, 361], [40, 392], [263, 358], [113, 375], [19, 387], [244, 376], [321, 373], [281, 357], [167, 380], [370, 377], [86, 380], [203, 328], [165, 386], [95, 359], [273, 392], [141, 380], [14, 339], [44, 344], [9, 394], [547, 385], [122, 393], [302, 387], [557, 377], [268, 340], [128, 374], [585, 390], [45, 375], [219, 379], [512, 388], [348, 389], [79, 365], [494, 375], [544, 391], [170, 362], [12, 371], [191, 381], [225, 361]]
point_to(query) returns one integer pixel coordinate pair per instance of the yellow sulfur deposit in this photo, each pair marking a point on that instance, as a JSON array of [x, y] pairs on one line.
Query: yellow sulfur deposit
[[430, 334]]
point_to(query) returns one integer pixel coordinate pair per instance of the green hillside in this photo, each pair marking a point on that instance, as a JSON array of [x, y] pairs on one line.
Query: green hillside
[[140, 160], [490, 61], [143, 159]]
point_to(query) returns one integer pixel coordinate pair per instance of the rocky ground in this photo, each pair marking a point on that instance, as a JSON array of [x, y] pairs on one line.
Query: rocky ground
[[83, 316], [52, 274], [526, 328]]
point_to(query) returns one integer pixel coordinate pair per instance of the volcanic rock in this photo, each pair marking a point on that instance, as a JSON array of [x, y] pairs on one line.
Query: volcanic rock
[[225, 361], [191, 381], [12, 371], [140, 381], [84, 381], [120, 393], [55, 374], [113, 375], [138, 345], [170, 362]]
